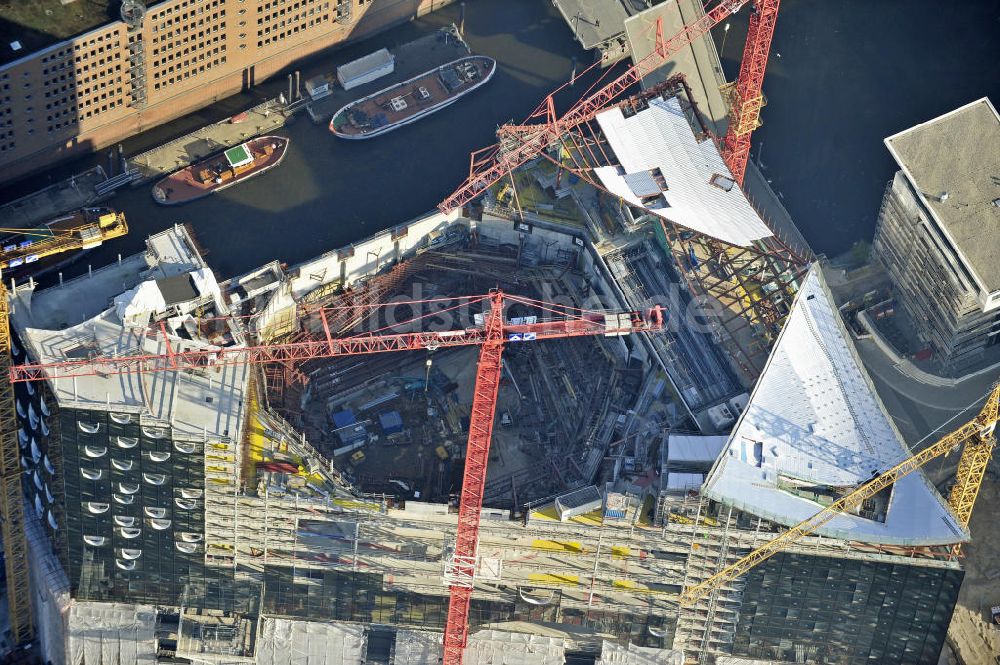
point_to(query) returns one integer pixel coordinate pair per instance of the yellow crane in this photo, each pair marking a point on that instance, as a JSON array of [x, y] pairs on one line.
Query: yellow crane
[[79, 231], [976, 438], [82, 230]]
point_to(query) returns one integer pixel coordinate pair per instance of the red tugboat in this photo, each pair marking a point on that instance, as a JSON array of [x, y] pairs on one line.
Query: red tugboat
[[221, 170]]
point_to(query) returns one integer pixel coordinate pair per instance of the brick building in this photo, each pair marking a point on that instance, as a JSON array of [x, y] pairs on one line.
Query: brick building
[[157, 63]]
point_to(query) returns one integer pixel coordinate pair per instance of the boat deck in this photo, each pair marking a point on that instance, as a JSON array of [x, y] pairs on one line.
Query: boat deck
[[394, 105], [199, 180]]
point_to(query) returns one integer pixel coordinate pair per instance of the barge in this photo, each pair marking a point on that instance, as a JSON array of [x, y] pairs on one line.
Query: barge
[[406, 102]]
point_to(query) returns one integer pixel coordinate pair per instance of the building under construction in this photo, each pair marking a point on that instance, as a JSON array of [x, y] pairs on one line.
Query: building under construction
[[594, 411], [179, 504]]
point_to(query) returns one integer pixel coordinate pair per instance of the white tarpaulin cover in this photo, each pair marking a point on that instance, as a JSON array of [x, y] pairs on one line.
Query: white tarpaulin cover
[[660, 137], [616, 654], [136, 306], [284, 642], [494, 647], [815, 420], [417, 647], [111, 634]]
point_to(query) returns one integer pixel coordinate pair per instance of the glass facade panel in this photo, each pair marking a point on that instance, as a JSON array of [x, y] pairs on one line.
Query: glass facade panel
[[845, 611]]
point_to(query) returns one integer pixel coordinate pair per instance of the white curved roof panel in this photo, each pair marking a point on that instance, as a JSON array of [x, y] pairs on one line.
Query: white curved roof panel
[[660, 137], [814, 419]]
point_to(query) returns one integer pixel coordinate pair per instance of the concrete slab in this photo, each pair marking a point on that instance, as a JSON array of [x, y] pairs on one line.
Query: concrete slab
[[70, 194]]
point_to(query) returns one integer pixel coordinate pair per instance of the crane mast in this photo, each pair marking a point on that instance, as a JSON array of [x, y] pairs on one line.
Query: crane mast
[[461, 570], [12, 508], [745, 96]]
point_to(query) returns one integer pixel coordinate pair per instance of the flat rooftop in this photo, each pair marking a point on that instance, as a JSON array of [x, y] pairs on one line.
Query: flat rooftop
[[83, 318], [596, 21], [956, 157], [40, 23]]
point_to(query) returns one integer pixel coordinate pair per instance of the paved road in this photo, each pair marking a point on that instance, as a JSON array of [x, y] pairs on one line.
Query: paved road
[[920, 409]]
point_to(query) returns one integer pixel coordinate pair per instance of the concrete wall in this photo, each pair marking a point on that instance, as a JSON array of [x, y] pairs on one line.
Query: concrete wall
[[353, 263]]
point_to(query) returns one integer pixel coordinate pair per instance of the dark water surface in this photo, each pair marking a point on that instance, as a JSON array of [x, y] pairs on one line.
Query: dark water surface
[[850, 73], [329, 192]]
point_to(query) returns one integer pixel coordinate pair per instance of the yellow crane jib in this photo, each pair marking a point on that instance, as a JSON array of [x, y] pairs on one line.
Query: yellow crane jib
[[82, 230], [978, 438]]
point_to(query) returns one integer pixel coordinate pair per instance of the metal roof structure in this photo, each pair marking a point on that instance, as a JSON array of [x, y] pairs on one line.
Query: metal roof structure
[[688, 449], [815, 428], [364, 68], [953, 163], [696, 188]]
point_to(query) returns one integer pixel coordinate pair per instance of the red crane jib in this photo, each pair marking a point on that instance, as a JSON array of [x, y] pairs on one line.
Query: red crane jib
[[587, 323], [530, 140]]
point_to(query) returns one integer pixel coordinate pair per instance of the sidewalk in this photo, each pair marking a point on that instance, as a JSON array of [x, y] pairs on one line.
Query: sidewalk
[[54, 200], [208, 140]]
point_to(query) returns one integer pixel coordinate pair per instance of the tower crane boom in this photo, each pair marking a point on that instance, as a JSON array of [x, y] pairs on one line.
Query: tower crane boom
[[521, 143]]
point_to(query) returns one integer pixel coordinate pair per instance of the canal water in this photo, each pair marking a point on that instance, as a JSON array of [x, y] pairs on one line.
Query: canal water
[[849, 73]]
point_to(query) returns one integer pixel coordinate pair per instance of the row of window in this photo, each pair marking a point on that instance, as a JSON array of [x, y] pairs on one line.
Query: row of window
[[166, 45], [289, 10], [288, 33], [298, 18], [178, 54], [188, 25], [184, 4], [179, 67], [190, 73]]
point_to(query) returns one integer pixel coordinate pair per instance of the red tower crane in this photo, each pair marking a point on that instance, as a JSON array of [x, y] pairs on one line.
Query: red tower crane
[[522, 143], [746, 96], [491, 337]]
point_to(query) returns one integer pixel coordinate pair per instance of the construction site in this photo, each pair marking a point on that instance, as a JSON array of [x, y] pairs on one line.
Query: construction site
[[596, 409]]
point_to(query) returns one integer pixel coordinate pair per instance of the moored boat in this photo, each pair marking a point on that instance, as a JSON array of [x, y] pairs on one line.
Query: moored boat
[[221, 170], [406, 102]]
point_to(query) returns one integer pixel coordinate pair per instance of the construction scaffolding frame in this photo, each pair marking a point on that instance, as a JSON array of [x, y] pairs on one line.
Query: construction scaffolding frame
[[754, 285]]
